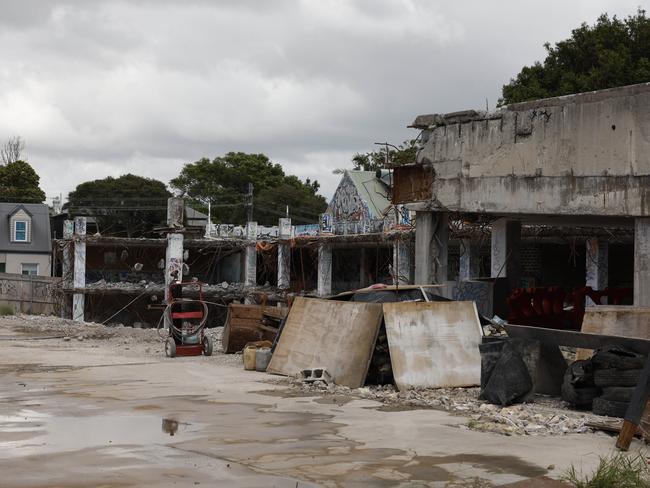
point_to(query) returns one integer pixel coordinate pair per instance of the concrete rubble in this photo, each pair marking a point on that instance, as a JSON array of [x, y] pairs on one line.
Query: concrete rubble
[[544, 416]]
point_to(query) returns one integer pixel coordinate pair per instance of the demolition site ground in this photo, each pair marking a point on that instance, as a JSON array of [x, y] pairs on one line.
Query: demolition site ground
[[84, 405]]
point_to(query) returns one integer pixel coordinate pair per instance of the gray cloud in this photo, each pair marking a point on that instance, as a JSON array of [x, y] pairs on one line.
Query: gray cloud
[[101, 88]]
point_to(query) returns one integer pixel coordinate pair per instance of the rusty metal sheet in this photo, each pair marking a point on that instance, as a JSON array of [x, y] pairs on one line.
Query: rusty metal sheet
[[412, 183], [337, 336], [434, 344], [244, 324]]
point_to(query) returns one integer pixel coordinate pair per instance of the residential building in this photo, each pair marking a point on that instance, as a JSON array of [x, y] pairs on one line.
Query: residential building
[[25, 243]]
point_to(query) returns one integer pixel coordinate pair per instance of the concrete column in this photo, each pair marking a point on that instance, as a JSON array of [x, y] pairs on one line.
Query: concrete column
[[324, 270], [175, 211], [431, 242], [469, 260], [363, 268], [284, 265], [506, 247], [642, 262], [173, 260], [596, 265], [250, 255], [79, 275], [67, 253], [402, 262]]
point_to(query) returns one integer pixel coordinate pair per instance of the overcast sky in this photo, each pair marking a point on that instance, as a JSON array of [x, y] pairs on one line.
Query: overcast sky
[[102, 88]]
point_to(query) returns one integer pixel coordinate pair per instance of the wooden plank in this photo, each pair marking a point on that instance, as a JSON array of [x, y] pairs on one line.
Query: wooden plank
[[635, 408], [576, 339], [337, 336], [617, 320], [434, 344]]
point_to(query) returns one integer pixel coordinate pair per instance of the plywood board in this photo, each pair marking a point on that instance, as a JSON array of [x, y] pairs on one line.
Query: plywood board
[[434, 344], [337, 336], [616, 320]]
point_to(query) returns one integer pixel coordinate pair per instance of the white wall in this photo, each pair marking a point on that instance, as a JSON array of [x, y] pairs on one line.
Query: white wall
[[14, 263]]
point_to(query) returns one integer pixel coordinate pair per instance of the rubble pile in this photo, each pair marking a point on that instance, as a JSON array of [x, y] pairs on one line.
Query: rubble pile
[[544, 416]]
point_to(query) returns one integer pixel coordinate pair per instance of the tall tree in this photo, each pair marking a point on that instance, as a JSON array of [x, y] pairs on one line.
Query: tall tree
[[612, 52], [126, 206], [224, 180], [20, 183], [381, 159], [12, 150]]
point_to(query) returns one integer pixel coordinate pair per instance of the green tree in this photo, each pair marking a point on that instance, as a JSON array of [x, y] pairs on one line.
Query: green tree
[[224, 181], [20, 183], [374, 160], [612, 52], [126, 206]]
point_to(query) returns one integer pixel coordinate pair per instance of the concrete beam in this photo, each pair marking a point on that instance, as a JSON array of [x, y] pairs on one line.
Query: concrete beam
[[469, 260], [402, 262], [324, 270], [431, 247], [642, 262], [596, 265], [506, 247]]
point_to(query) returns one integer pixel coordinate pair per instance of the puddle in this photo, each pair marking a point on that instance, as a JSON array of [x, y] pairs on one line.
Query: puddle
[[61, 433]]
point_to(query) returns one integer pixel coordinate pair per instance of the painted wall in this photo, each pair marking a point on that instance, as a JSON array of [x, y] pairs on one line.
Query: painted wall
[[347, 204]]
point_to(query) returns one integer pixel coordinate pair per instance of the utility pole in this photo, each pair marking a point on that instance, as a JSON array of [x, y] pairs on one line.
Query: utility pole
[[249, 203]]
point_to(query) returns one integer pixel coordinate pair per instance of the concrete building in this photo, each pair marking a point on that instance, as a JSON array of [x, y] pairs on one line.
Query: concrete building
[[25, 244], [579, 161]]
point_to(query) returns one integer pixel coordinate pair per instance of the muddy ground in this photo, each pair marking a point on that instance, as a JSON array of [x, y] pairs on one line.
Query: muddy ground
[[94, 406]]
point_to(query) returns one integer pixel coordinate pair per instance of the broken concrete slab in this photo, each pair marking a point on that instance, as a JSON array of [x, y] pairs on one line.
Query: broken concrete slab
[[434, 344], [332, 335]]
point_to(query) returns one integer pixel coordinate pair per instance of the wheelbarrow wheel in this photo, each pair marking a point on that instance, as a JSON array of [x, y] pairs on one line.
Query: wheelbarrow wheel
[[170, 347], [207, 346]]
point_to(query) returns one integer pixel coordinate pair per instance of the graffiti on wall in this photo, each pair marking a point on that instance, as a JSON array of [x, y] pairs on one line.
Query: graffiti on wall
[[347, 204]]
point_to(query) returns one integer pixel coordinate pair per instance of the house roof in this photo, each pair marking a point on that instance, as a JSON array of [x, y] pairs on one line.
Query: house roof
[[371, 190], [41, 241]]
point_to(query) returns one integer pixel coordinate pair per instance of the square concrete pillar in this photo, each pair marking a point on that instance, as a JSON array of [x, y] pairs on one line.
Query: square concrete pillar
[[250, 265], [324, 270], [431, 247], [596, 265], [79, 272], [506, 251], [642, 262], [402, 262], [469, 260], [284, 265]]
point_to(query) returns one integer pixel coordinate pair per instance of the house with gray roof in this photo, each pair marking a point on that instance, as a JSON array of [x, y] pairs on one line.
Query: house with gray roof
[[25, 241]]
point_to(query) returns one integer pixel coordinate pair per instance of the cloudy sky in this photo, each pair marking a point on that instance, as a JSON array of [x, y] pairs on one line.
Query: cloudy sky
[[99, 88]]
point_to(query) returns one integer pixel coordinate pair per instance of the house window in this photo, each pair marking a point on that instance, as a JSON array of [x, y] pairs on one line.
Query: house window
[[20, 231], [30, 269], [3, 268]]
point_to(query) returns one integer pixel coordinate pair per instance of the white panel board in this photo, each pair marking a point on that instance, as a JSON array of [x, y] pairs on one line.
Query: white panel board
[[434, 344]]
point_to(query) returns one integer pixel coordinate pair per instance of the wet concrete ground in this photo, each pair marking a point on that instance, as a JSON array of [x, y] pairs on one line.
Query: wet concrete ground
[[89, 416]]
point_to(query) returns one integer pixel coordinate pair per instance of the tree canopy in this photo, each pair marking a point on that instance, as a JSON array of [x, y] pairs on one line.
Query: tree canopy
[[126, 206], [224, 181], [374, 160], [612, 52], [20, 183]]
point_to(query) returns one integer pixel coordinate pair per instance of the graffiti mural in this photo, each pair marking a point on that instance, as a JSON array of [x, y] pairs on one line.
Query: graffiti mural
[[347, 204]]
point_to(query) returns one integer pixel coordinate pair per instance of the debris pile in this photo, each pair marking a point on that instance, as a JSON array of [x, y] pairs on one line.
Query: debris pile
[[543, 416]]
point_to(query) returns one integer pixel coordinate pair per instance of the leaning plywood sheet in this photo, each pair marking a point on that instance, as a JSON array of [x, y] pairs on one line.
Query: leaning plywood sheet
[[337, 336], [433, 344]]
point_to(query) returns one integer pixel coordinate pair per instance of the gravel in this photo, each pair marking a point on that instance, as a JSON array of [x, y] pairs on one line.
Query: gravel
[[542, 416], [128, 341]]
